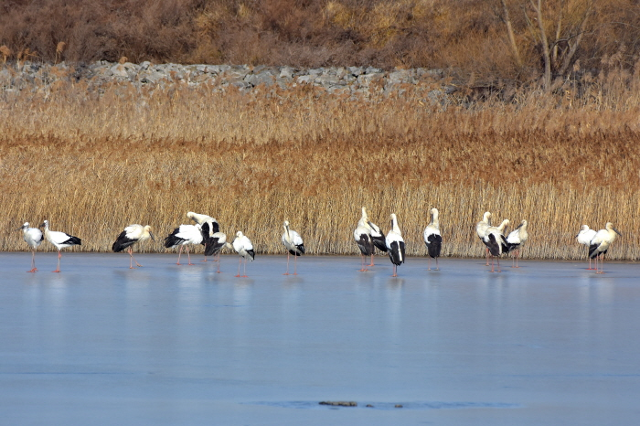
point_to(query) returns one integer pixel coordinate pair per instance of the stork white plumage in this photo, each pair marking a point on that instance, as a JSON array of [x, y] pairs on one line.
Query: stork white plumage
[[209, 227], [362, 235], [60, 240], [496, 242], [131, 235], [516, 240], [214, 246], [375, 236], [294, 245], [242, 245], [600, 244], [432, 238], [33, 237], [584, 237], [481, 230], [378, 239], [395, 245], [183, 236]]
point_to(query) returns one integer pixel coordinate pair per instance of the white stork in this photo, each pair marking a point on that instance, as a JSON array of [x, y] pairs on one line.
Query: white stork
[[242, 245], [294, 245], [132, 234], [209, 227], [481, 230], [432, 238], [362, 235], [496, 242], [215, 244], [600, 244], [584, 237], [60, 240], [395, 245], [516, 240], [33, 237], [375, 235], [182, 236]]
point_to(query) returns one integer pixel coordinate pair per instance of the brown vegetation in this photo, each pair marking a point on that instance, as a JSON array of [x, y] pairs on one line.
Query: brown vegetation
[[94, 162], [481, 41]]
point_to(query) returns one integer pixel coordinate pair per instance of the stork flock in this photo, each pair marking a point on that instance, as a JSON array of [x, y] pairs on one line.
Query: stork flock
[[367, 235]]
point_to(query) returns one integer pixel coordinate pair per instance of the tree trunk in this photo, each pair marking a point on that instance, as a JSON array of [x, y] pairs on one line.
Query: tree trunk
[[545, 45], [512, 38]]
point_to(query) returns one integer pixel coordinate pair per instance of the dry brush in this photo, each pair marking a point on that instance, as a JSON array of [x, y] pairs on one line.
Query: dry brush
[[93, 162]]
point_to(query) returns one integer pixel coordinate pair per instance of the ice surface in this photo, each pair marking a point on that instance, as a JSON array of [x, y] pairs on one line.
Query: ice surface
[[99, 344]]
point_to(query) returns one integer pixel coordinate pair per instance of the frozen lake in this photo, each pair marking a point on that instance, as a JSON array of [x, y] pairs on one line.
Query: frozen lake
[[99, 344]]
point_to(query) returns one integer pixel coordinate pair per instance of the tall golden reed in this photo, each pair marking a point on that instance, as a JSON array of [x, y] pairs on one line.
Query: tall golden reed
[[92, 164]]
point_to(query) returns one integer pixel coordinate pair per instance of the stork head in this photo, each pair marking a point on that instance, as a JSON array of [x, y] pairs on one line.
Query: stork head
[[609, 226], [25, 226], [239, 234], [148, 230], [45, 224], [365, 217]]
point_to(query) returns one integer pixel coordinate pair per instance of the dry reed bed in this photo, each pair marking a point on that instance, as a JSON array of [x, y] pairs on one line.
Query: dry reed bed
[[93, 164]]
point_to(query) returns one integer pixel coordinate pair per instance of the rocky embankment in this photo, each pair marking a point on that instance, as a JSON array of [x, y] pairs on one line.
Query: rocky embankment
[[342, 80]]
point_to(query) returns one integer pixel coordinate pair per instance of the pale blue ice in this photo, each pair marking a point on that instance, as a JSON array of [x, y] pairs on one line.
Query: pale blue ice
[[99, 344]]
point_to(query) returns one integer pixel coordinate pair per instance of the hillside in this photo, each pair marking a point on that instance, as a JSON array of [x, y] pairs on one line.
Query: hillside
[[477, 41]]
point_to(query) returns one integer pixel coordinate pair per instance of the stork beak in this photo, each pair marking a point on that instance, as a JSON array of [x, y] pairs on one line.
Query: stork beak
[[21, 228], [151, 235], [41, 225], [617, 232]]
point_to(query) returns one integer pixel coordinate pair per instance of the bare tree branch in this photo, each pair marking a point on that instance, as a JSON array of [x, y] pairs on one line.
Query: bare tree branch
[[573, 48], [545, 44], [512, 38]]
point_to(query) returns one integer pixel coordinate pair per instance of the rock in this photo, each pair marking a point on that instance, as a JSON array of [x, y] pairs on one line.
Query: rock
[[355, 82], [287, 72], [266, 78], [305, 79], [118, 70], [367, 79], [339, 403]]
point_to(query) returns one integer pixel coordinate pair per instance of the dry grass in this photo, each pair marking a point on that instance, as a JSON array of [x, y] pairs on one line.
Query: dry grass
[[466, 37], [92, 164]]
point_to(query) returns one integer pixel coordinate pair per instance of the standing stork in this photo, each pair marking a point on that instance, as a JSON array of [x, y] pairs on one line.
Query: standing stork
[[496, 242], [60, 240], [584, 237], [293, 242], [182, 236], [395, 245], [433, 239], [215, 244], [375, 234], [242, 245], [209, 227], [33, 237], [481, 230], [132, 234], [600, 244], [516, 240], [362, 235]]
